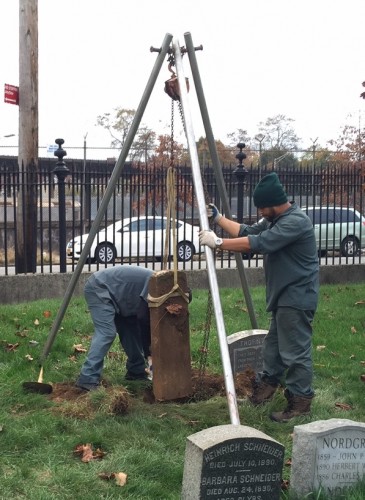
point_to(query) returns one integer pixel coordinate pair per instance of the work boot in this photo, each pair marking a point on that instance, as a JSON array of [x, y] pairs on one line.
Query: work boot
[[296, 407], [262, 392]]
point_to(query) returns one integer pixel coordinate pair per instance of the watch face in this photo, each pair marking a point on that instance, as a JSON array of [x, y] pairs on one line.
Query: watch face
[[218, 242]]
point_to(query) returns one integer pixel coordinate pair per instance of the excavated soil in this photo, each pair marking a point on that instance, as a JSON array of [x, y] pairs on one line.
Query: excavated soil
[[116, 400]]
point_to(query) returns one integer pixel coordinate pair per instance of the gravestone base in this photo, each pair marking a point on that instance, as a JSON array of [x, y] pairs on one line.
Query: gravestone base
[[232, 462]]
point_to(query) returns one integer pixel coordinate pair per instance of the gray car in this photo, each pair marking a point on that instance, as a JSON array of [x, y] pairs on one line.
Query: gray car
[[337, 229]]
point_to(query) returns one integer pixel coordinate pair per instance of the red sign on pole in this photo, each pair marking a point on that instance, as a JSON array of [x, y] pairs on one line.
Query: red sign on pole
[[11, 94]]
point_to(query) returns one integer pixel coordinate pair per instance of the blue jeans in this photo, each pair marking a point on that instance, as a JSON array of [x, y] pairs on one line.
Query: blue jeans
[[106, 324], [287, 350]]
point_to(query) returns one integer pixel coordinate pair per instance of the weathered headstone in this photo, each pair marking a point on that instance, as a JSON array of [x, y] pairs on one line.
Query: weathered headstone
[[245, 350], [170, 336], [232, 462], [327, 454]]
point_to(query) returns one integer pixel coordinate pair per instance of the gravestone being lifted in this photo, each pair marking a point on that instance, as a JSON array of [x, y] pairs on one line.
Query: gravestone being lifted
[[327, 455], [170, 341], [234, 462], [245, 350]]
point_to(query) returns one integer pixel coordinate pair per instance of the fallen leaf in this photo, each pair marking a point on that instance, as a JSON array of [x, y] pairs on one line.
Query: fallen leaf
[[113, 355], [28, 357], [334, 378], [106, 476], [362, 378], [362, 363], [343, 406], [11, 347], [36, 321], [353, 329], [288, 462], [120, 478], [78, 349], [98, 454], [321, 347], [33, 343], [285, 484], [359, 302], [174, 309], [87, 454], [85, 451], [334, 353], [22, 333], [47, 314], [352, 356]]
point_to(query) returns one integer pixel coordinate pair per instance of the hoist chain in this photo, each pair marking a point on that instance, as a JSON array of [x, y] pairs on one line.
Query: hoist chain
[[172, 156], [181, 111], [204, 349]]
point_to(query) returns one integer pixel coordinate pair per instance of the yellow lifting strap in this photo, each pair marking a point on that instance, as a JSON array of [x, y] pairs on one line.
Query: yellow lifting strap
[[176, 291]]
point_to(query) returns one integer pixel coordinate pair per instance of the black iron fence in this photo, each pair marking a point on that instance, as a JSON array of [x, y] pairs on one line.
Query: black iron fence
[[141, 193]]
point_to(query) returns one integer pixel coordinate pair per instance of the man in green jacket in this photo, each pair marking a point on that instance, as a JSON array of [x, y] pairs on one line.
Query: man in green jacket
[[285, 237]]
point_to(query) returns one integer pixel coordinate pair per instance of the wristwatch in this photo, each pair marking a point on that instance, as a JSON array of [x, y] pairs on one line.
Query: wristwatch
[[218, 242]]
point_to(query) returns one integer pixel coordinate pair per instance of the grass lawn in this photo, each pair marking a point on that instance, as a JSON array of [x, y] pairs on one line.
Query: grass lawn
[[40, 434]]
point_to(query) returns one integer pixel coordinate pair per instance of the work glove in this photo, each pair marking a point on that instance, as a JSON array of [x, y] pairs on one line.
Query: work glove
[[213, 212], [209, 238]]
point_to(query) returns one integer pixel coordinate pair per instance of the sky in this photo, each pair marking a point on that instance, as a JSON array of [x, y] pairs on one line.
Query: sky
[[300, 58]]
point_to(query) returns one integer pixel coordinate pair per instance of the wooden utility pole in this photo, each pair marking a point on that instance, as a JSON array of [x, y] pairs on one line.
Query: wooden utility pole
[[26, 228]]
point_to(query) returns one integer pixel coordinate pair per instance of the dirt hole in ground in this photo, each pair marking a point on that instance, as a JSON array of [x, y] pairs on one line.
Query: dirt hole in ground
[[116, 400]]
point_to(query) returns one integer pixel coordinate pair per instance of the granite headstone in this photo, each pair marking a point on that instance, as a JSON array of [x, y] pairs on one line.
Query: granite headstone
[[232, 462], [245, 350], [327, 454]]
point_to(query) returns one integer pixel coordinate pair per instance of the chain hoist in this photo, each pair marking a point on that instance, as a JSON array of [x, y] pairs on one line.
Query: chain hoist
[[172, 89]]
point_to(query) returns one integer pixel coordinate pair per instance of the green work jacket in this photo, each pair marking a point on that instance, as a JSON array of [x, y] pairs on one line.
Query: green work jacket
[[290, 255]]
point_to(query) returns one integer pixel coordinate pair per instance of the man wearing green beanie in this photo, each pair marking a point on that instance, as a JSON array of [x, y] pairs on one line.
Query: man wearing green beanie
[[285, 237]]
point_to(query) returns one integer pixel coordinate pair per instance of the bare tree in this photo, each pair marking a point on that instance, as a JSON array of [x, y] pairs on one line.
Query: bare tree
[[279, 133], [118, 126]]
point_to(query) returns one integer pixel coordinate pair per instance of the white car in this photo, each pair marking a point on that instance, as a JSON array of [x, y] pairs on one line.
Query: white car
[[138, 237]]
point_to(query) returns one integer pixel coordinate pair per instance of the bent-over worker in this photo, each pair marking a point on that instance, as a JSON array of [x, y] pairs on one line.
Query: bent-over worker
[[117, 300]]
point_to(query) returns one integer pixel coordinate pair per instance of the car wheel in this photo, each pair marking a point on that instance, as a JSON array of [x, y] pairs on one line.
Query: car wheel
[[105, 253], [185, 251], [350, 246]]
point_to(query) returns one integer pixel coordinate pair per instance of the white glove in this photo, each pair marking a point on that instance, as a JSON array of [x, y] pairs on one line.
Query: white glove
[[209, 238], [213, 212]]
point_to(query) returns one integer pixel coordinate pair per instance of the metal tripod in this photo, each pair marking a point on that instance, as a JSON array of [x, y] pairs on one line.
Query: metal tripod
[[227, 369]]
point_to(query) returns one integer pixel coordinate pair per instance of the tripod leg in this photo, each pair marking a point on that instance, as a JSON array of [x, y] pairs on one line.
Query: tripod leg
[[108, 194]]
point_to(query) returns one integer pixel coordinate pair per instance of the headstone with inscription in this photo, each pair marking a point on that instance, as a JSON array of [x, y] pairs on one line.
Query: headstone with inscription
[[327, 454], [232, 462], [245, 350]]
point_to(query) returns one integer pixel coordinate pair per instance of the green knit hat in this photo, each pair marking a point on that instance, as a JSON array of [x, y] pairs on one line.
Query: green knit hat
[[269, 192]]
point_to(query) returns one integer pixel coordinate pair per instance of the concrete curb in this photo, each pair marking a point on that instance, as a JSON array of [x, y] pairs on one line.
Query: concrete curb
[[27, 288]]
